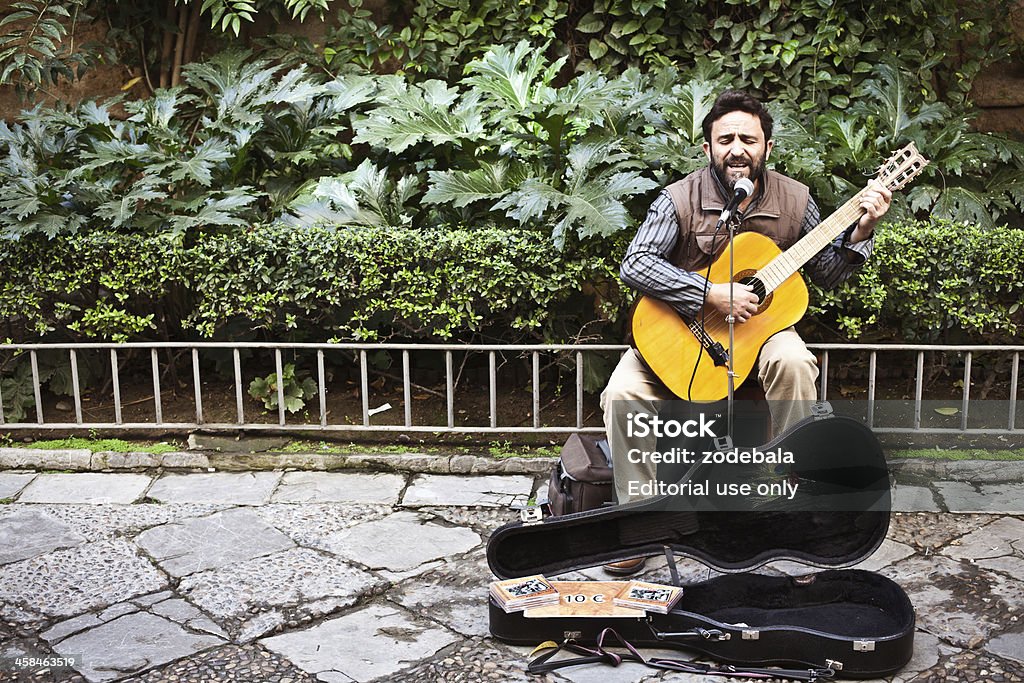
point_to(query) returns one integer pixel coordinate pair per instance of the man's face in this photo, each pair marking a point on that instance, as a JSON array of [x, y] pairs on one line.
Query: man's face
[[738, 148]]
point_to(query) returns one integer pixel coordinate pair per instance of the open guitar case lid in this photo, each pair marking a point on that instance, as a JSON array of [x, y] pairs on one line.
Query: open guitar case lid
[[857, 623]]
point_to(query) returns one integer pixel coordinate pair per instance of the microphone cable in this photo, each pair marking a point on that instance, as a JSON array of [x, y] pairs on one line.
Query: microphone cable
[[742, 188], [703, 310]]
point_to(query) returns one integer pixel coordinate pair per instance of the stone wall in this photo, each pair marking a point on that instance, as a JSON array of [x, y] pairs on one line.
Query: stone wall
[[999, 91]]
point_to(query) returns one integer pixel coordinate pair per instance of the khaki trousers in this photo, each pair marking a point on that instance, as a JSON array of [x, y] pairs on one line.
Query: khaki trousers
[[788, 372]]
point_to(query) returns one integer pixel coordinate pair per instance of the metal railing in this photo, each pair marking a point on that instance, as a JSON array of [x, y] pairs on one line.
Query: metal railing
[[921, 349], [365, 424]]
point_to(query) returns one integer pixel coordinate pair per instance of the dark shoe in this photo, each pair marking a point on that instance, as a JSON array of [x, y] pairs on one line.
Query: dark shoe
[[626, 567]]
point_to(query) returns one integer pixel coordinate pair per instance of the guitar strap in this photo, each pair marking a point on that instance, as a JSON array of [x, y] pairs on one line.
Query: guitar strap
[[600, 654]]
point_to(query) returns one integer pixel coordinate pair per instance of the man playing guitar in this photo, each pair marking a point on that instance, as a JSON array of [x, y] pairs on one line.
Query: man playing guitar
[[678, 239]]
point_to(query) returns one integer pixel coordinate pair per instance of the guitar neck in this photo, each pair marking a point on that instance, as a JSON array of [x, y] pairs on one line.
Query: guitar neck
[[785, 264]]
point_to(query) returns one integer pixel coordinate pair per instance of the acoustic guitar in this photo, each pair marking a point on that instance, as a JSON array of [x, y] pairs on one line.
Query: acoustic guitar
[[691, 357]]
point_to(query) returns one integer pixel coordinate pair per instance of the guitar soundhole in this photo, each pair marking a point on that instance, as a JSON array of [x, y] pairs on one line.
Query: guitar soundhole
[[748, 277]]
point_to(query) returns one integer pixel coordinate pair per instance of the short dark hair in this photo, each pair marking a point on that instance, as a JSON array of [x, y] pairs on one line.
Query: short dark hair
[[737, 100]]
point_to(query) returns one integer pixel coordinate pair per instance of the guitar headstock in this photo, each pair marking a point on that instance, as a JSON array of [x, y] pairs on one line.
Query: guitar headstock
[[902, 167]]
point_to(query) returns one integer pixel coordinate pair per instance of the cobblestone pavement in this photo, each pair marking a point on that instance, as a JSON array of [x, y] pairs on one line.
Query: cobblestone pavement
[[302, 576]]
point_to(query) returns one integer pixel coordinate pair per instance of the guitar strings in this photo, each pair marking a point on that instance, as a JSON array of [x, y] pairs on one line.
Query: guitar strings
[[773, 274]]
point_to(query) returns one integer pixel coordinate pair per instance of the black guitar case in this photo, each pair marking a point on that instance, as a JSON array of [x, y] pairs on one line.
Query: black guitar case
[[856, 623]]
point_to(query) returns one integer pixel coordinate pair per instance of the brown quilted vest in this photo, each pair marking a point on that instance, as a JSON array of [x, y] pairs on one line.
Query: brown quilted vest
[[777, 214]]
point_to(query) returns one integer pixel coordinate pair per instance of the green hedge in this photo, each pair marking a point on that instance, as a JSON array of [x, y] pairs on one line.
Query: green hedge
[[296, 284], [926, 282]]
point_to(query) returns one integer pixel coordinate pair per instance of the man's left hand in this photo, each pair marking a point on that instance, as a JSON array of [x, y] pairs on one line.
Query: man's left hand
[[875, 201]]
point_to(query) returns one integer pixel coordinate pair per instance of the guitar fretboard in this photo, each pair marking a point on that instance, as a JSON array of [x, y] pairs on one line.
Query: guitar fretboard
[[785, 264]]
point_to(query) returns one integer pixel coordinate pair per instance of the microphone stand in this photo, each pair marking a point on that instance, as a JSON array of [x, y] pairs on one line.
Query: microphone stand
[[744, 189], [731, 319]]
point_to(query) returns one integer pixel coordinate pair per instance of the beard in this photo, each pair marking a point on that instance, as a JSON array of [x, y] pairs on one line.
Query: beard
[[730, 169]]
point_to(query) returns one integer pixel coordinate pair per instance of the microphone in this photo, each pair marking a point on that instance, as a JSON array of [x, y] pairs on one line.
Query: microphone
[[741, 190]]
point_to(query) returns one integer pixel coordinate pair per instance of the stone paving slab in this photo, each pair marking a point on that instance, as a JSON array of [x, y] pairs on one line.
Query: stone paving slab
[[99, 522], [182, 612], [475, 660], [132, 643], [218, 540], [481, 520], [913, 499], [960, 603], [11, 483], [244, 488], [310, 524], [889, 553], [928, 531], [376, 641], [85, 487], [44, 459], [998, 546], [70, 627], [455, 596], [229, 664], [486, 491], [290, 587], [163, 604], [1003, 499], [339, 487], [927, 651], [65, 583], [28, 532], [400, 542], [13, 649]]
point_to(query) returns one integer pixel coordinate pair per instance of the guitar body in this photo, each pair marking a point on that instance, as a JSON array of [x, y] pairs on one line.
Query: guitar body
[[671, 349]]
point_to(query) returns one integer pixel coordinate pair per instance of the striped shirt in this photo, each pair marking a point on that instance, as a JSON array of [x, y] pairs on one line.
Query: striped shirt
[[646, 266]]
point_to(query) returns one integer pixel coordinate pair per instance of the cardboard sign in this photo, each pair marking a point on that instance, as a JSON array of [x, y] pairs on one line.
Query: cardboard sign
[[585, 599]]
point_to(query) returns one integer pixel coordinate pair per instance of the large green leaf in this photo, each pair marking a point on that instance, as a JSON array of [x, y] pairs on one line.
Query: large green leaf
[[461, 188], [217, 211], [592, 202], [200, 167], [891, 91], [119, 153], [350, 91], [122, 210], [963, 204], [365, 196], [530, 201], [846, 138], [18, 393], [331, 203], [422, 113], [518, 77], [690, 103], [586, 159]]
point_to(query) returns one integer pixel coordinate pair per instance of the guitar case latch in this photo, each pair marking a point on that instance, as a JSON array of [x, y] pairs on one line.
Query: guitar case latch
[[821, 409], [722, 444], [531, 515]]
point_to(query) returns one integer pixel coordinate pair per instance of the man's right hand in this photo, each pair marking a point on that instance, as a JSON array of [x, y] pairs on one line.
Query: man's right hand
[[743, 298]]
